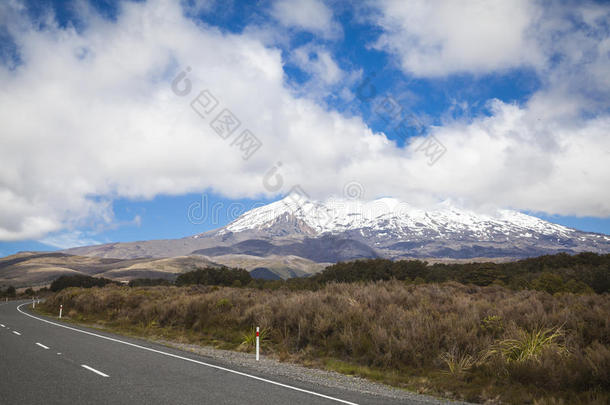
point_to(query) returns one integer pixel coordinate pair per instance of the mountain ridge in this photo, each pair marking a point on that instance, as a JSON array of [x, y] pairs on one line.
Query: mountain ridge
[[341, 229]]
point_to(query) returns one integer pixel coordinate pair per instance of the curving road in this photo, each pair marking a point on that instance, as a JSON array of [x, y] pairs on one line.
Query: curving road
[[45, 361]]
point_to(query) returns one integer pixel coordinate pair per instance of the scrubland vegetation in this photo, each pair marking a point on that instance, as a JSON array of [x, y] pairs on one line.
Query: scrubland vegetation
[[584, 273], [479, 343], [79, 280], [532, 331]]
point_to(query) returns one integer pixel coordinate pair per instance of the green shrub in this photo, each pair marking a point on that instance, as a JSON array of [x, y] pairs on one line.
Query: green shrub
[[582, 273], [492, 325], [224, 276], [148, 282], [223, 303], [79, 281]]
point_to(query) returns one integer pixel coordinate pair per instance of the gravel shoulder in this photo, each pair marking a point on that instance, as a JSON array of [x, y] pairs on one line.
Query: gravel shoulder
[[273, 367]]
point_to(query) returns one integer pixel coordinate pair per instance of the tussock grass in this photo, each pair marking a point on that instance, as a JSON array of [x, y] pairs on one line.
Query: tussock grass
[[249, 338], [458, 363], [530, 345], [473, 343]]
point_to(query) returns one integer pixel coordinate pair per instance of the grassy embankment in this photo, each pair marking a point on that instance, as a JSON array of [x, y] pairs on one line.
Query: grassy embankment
[[475, 343]]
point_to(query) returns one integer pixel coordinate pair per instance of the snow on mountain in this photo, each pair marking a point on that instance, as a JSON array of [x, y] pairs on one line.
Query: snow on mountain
[[388, 227], [340, 215], [340, 229]]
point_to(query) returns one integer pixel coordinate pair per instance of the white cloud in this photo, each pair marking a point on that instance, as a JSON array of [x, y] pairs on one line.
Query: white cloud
[[326, 81], [549, 154], [318, 62], [307, 15], [65, 240], [89, 116], [513, 159], [436, 38]]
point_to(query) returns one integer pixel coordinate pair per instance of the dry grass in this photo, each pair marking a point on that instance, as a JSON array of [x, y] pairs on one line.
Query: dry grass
[[480, 343]]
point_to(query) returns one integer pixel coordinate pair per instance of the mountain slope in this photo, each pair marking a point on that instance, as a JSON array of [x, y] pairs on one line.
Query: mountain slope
[[336, 230], [40, 268], [392, 228]]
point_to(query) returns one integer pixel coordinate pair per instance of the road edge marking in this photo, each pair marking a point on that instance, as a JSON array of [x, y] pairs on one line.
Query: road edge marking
[[191, 360], [94, 370]]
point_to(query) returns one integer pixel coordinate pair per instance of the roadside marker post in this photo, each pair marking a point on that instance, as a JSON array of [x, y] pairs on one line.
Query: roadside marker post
[[61, 307], [34, 303], [257, 343]]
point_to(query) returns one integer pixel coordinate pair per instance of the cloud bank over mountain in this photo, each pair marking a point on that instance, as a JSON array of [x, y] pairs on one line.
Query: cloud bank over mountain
[[89, 113]]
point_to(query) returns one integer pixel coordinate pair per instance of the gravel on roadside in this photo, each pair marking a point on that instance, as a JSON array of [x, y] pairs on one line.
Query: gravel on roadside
[[271, 366]]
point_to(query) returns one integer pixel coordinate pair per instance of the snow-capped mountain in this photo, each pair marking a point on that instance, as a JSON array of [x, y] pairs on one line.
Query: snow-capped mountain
[[341, 229], [391, 217]]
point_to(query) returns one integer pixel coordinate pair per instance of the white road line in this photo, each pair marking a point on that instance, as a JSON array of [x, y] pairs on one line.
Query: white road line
[[94, 370], [16, 333], [2, 325], [41, 345], [228, 370]]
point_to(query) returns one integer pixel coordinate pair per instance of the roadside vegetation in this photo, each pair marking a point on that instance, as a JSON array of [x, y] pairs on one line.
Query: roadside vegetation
[[482, 335], [11, 293], [8, 292]]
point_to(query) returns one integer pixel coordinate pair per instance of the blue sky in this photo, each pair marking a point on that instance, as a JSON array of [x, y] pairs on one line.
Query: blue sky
[[99, 147]]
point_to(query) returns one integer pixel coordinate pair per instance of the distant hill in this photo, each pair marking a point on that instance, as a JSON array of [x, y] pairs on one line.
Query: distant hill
[[38, 269]]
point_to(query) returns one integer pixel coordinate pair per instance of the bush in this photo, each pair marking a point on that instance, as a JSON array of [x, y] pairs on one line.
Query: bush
[[224, 276], [10, 291], [148, 282], [583, 273], [493, 325], [79, 281]]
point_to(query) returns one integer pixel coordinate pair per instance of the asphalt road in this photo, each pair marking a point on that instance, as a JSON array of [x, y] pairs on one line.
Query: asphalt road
[[43, 361]]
